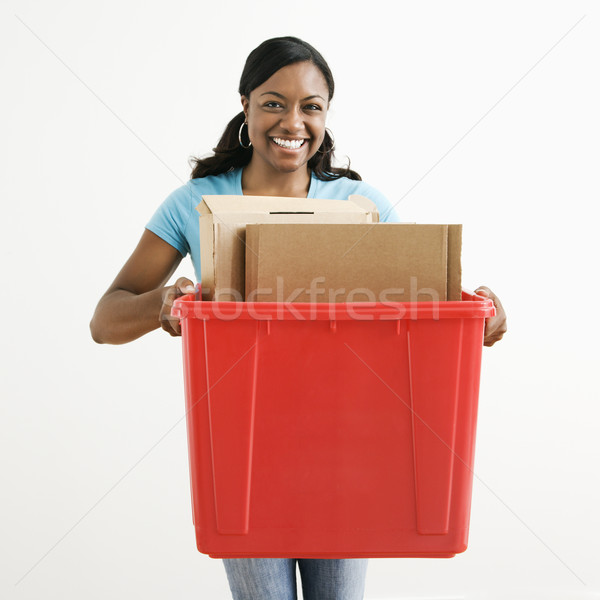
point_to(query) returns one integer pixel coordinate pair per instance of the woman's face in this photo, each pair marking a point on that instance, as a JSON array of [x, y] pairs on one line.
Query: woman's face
[[286, 116]]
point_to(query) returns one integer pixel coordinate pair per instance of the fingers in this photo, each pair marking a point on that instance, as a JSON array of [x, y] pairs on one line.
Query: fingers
[[495, 327], [493, 336], [168, 322]]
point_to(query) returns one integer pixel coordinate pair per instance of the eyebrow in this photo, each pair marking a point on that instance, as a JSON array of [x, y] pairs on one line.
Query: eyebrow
[[283, 97]]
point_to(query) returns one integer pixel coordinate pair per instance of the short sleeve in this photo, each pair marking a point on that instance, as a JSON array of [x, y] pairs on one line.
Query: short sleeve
[[171, 218]]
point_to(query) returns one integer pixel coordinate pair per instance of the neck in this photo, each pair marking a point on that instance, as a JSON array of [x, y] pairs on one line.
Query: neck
[[257, 183]]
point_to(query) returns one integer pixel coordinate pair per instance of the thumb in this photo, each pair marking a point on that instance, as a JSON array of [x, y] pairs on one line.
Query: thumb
[[482, 291], [185, 286]]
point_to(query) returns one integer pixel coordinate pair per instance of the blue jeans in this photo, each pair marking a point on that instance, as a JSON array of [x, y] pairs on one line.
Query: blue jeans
[[275, 578]]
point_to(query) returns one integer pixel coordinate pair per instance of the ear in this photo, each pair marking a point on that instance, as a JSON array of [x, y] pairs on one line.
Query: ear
[[245, 103]]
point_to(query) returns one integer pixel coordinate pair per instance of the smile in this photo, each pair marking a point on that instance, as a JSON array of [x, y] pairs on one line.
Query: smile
[[289, 144]]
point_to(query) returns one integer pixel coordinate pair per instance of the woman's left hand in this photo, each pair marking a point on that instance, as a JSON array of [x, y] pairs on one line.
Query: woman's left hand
[[495, 327]]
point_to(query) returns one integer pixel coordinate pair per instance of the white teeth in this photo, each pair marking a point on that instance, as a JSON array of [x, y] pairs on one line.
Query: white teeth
[[292, 144]]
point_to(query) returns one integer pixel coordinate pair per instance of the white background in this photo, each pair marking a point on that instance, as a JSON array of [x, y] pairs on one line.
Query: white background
[[481, 113]]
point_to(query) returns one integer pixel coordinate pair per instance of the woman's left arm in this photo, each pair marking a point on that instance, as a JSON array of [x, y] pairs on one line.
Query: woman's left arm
[[495, 327]]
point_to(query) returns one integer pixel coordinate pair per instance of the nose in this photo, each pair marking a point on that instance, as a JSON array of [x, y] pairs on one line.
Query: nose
[[292, 120]]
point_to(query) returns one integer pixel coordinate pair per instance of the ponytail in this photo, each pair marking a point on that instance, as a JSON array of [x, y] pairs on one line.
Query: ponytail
[[228, 154]]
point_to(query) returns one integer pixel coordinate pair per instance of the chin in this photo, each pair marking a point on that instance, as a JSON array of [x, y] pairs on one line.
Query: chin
[[291, 168]]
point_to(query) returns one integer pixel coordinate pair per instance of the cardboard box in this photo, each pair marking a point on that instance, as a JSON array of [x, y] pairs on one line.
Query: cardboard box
[[344, 263], [223, 221]]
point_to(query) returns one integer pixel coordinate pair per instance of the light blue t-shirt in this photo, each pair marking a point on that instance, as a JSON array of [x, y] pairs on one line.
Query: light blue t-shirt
[[176, 220]]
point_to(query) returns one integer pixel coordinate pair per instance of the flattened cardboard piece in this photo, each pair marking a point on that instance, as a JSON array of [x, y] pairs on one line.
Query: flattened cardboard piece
[[223, 221], [388, 262]]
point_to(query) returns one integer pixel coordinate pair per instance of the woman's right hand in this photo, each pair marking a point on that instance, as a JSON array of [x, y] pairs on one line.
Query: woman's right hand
[[168, 322], [137, 301]]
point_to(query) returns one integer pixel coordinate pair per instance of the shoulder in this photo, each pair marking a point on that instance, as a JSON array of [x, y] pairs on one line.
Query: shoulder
[[189, 195], [225, 183]]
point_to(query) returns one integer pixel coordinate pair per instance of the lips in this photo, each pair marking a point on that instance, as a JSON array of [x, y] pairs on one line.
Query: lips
[[288, 144]]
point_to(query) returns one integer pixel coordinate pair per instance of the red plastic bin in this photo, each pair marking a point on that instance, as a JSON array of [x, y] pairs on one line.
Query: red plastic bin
[[331, 430]]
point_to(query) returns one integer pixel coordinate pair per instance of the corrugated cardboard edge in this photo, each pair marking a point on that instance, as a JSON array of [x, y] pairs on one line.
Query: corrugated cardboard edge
[[454, 290], [252, 240], [445, 257], [207, 256]]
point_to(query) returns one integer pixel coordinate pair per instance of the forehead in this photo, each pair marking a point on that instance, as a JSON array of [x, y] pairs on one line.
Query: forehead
[[300, 80]]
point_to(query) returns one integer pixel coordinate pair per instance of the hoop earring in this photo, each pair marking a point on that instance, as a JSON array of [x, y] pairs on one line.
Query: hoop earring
[[240, 136], [332, 142]]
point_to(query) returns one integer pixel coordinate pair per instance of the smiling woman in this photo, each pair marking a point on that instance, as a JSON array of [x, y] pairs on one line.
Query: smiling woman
[[287, 85], [277, 145]]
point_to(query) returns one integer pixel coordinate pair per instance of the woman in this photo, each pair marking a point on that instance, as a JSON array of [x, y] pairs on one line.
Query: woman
[[277, 146]]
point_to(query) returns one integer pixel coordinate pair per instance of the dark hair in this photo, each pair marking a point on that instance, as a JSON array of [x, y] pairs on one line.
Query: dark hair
[[264, 61]]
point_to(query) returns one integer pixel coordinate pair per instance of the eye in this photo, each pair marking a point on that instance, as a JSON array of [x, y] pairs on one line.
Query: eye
[[313, 107], [272, 104]]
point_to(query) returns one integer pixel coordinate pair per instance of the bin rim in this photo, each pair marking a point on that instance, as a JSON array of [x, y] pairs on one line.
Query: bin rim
[[471, 306]]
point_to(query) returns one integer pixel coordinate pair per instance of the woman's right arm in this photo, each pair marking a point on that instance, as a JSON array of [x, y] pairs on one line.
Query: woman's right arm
[[137, 301]]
